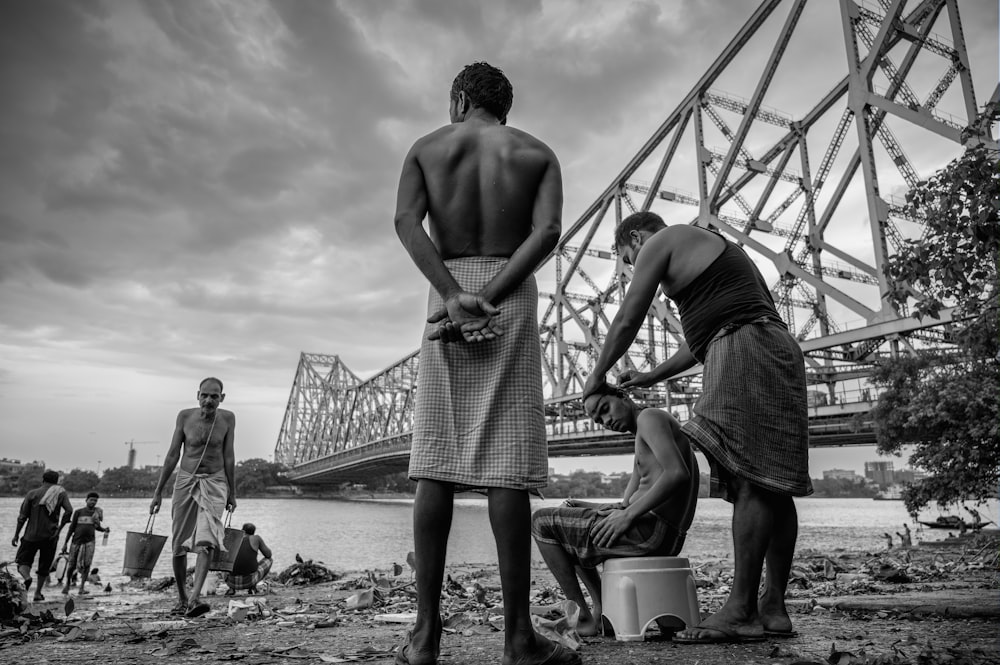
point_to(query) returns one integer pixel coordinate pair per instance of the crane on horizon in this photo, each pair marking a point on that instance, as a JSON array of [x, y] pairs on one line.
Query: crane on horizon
[[131, 451]]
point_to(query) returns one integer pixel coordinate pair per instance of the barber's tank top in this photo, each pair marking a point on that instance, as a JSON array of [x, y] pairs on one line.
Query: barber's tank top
[[730, 290]]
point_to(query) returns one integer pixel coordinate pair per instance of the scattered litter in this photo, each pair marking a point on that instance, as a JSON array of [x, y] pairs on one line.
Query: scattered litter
[[398, 617]]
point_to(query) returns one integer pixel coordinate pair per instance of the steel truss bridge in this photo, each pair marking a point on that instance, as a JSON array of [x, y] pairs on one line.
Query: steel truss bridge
[[820, 229]]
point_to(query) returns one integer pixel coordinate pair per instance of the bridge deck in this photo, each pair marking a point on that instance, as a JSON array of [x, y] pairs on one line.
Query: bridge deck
[[829, 426]]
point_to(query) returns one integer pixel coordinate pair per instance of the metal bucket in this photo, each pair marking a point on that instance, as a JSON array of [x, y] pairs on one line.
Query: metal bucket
[[224, 561], [142, 549]]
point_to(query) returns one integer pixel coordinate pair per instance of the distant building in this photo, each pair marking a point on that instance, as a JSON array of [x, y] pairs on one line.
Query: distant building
[[880, 473], [909, 475], [11, 470], [842, 474], [609, 478], [10, 466]]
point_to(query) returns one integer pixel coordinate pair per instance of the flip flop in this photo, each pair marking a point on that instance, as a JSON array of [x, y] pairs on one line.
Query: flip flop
[[780, 634], [178, 610], [198, 610], [562, 656], [401, 657], [723, 637]]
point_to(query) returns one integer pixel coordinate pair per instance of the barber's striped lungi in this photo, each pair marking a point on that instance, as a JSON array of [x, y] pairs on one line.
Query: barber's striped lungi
[[752, 420]]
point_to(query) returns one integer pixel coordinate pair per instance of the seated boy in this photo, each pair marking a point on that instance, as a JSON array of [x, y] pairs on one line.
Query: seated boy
[[247, 570], [651, 520]]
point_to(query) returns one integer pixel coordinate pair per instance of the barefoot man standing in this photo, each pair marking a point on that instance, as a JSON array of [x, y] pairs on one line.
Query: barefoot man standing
[[205, 487], [493, 199]]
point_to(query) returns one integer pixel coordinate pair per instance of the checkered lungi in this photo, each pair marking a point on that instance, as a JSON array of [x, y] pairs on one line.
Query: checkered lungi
[[81, 555], [196, 509], [570, 527], [479, 420], [241, 582], [752, 420]]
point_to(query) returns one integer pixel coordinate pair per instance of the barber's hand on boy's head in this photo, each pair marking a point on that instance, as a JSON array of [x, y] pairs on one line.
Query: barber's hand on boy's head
[[594, 383], [631, 378]]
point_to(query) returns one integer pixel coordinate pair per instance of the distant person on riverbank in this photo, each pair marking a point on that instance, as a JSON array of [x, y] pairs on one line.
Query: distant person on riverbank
[[652, 518], [204, 489], [977, 519], [40, 511], [905, 538], [492, 197], [752, 419], [888, 540], [247, 571], [83, 528]]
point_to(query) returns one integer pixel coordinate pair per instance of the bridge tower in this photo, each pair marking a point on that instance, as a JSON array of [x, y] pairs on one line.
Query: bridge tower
[[801, 152]]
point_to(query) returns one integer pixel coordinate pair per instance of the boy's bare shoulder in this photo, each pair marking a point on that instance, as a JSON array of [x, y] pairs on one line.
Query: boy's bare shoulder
[[651, 421], [655, 418]]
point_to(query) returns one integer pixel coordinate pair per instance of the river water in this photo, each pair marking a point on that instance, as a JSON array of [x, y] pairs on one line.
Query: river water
[[358, 535]]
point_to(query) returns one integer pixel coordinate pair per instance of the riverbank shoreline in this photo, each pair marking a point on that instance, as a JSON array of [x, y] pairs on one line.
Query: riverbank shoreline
[[926, 605]]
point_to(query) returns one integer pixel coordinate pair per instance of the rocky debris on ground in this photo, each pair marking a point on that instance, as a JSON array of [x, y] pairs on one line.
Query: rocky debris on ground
[[307, 572], [13, 596], [908, 651], [343, 610], [817, 574]]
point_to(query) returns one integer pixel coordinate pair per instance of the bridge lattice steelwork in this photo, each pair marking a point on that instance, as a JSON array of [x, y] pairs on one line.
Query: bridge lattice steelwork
[[820, 230]]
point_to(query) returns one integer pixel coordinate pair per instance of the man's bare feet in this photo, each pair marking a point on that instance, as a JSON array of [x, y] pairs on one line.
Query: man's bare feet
[[774, 616], [421, 647], [543, 652], [726, 625], [590, 623]]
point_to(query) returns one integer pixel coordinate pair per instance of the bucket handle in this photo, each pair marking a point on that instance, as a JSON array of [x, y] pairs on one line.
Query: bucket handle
[[229, 519], [149, 523]]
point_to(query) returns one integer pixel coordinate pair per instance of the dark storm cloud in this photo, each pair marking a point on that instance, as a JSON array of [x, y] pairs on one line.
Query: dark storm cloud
[[196, 187]]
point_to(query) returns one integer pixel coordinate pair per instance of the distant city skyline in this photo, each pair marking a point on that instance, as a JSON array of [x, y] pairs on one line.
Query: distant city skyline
[[820, 460]]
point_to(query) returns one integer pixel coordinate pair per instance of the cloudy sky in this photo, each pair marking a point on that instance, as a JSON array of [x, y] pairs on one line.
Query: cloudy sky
[[207, 188]]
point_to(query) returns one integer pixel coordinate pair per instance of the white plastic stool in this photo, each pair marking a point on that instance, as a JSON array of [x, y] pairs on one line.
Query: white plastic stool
[[636, 591]]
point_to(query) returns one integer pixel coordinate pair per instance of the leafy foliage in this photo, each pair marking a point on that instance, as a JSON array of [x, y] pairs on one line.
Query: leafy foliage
[[80, 481], [253, 476], [945, 403], [125, 481]]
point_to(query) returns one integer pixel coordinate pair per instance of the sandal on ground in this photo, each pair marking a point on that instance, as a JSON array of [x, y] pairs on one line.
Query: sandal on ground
[[780, 634], [178, 610], [197, 610], [402, 657], [720, 636], [562, 656]]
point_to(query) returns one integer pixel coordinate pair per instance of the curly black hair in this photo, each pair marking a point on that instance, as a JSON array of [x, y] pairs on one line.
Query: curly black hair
[[487, 87]]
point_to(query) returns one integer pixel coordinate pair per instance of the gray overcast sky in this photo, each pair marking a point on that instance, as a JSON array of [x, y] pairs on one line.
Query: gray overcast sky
[[193, 189]]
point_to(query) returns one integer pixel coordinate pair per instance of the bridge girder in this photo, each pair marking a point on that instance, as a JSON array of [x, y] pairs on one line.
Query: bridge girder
[[760, 189]]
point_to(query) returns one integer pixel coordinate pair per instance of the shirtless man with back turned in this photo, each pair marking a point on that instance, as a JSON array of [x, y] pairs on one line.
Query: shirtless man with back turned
[[205, 487], [493, 198]]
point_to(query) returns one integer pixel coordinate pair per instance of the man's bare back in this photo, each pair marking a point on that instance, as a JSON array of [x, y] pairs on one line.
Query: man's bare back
[[487, 190], [481, 180]]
